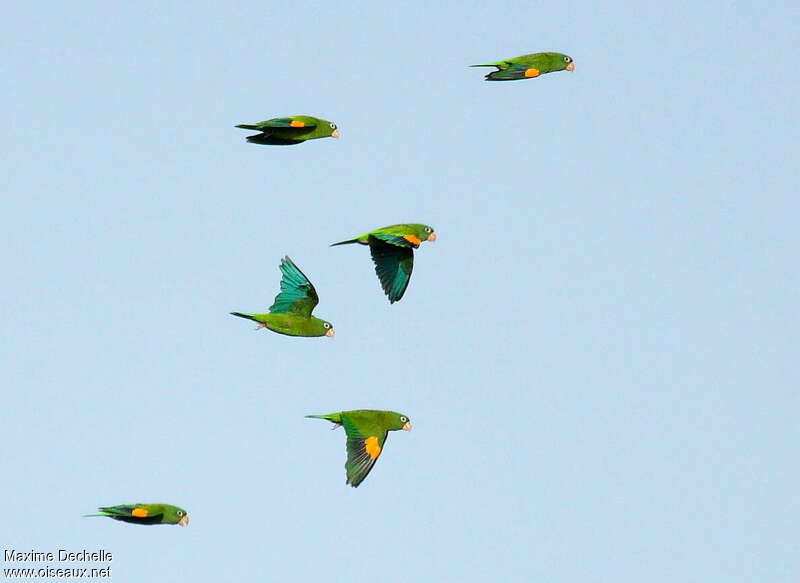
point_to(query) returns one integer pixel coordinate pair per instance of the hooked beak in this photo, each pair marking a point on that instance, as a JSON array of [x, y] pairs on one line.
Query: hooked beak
[[407, 426], [330, 333], [335, 134], [184, 521], [432, 237], [571, 67]]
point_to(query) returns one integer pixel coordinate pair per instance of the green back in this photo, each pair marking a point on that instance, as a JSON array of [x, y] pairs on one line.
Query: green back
[[373, 421], [297, 295], [421, 232], [545, 62], [394, 234]]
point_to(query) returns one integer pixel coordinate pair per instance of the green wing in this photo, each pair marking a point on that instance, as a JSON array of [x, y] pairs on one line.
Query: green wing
[[393, 264], [392, 239], [136, 513], [511, 73], [364, 447], [290, 123], [297, 295]]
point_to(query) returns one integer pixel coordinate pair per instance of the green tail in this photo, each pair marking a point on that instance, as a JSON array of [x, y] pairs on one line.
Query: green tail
[[248, 126], [345, 242], [245, 316], [90, 515], [333, 417]]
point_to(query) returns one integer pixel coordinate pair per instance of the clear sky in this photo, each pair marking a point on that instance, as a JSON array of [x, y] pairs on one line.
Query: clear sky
[[599, 354]]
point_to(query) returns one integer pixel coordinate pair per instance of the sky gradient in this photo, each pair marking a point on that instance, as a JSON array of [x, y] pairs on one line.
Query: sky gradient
[[599, 354]]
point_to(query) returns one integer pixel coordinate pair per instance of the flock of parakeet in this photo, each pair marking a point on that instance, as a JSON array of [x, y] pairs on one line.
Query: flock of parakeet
[[392, 250]]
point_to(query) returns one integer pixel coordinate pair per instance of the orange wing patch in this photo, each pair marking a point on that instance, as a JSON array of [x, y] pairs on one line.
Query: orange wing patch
[[371, 447], [412, 239], [140, 512], [296, 123], [532, 72]]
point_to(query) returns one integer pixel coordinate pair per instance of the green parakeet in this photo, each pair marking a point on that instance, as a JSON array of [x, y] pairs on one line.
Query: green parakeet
[[285, 131], [290, 313], [528, 66], [392, 250], [145, 514], [366, 433]]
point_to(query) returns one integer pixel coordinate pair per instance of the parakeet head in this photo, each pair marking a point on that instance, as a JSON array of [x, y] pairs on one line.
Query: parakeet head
[[321, 327], [423, 232], [559, 62], [399, 421], [335, 133], [327, 128], [175, 515]]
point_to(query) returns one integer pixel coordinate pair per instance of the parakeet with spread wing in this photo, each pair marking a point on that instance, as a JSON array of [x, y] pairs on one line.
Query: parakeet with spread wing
[[366, 435], [290, 313], [392, 250]]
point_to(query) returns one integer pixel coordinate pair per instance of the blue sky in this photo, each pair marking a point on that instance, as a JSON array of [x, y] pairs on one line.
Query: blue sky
[[599, 354]]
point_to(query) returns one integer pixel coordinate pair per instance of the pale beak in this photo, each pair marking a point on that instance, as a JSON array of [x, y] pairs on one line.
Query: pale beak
[[571, 67], [432, 237], [184, 521], [407, 426], [335, 134], [330, 333]]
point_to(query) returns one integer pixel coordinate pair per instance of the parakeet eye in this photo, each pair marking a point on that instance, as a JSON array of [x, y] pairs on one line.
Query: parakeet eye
[[403, 418], [180, 512], [428, 229], [333, 126], [567, 59], [326, 325]]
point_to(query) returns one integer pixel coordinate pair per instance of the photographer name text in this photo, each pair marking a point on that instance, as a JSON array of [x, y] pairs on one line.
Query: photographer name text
[[60, 555]]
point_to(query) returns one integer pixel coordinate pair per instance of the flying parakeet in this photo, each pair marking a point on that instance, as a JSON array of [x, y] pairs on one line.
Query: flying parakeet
[[366, 433], [290, 313], [145, 514], [528, 66], [392, 251], [285, 131]]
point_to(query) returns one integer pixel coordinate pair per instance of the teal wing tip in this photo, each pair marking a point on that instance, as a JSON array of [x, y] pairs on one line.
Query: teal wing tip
[[288, 264]]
